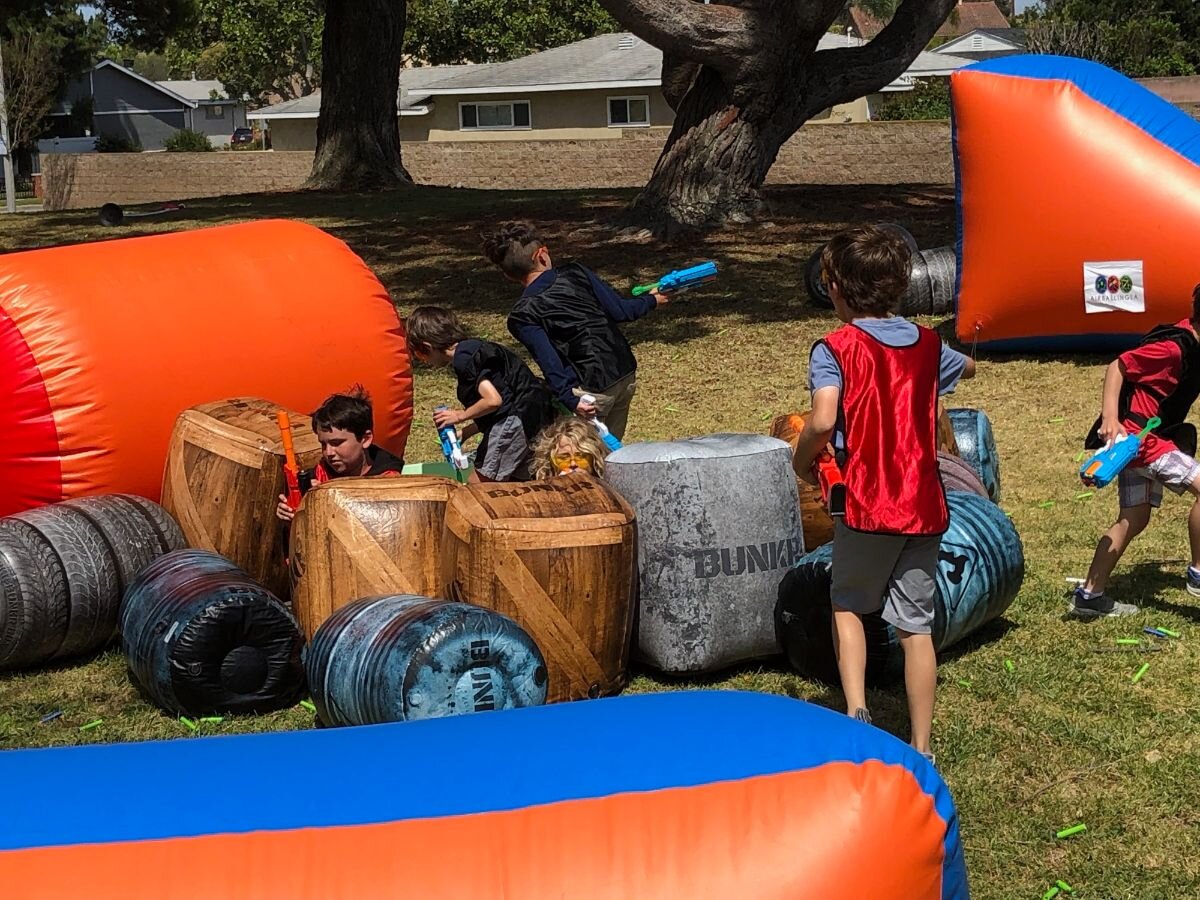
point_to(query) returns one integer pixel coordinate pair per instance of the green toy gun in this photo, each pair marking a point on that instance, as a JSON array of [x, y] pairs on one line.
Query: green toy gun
[[680, 280]]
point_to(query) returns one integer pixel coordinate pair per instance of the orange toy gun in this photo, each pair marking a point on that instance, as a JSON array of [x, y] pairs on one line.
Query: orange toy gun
[[291, 471], [833, 486]]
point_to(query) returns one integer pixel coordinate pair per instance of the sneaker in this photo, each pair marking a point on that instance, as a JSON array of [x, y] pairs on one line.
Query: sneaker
[[1102, 607], [1193, 582], [862, 715]]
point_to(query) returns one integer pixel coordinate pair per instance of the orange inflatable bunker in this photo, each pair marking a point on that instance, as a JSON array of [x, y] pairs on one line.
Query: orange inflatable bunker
[[103, 345]]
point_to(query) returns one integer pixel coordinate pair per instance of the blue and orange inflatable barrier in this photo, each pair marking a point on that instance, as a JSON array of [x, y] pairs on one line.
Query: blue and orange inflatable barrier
[[689, 794], [103, 345], [1078, 205]]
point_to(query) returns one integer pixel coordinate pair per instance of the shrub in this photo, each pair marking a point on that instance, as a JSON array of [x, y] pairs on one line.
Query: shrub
[[929, 99], [187, 141], [107, 143]]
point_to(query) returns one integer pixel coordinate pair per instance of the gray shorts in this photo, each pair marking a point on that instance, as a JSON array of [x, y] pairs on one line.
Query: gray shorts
[[1144, 485], [505, 452], [895, 572]]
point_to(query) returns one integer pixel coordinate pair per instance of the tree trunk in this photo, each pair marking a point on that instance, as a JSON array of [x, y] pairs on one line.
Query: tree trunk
[[358, 132], [714, 161]]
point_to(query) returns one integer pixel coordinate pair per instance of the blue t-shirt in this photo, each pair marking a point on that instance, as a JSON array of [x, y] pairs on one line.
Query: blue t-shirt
[[823, 369]]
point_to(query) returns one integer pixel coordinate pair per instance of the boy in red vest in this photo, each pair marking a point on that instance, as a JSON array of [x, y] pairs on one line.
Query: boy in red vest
[[1160, 377], [875, 383]]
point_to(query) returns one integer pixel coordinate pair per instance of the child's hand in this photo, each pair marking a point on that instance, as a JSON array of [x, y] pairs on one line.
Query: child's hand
[[283, 511], [585, 410], [660, 299], [444, 417], [1111, 430]]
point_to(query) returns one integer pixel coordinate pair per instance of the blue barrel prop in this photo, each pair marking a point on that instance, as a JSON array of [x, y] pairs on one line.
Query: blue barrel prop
[[683, 794], [401, 657], [981, 565], [977, 445], [202, 636]]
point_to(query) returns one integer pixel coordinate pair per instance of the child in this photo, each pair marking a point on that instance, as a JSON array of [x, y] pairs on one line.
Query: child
[[502, 398], [567, 318], [568, 445], [1160, 377], [875, 383], [343, 424]]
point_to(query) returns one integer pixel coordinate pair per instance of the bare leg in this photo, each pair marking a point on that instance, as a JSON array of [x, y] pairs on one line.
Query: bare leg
[[920, 683], [1194, 523], [850, 645], [1131, 521]]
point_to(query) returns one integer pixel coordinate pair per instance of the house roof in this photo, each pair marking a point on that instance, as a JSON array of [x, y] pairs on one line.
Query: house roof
[[199, 91], [411, 98], [1010, 39], [964, 18], [108, 63]]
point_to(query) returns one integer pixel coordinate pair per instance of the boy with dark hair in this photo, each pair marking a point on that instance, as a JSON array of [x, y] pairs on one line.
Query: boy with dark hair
[[1160, 377], [567, 318], [875, 383], [343, 424], [503, 400]]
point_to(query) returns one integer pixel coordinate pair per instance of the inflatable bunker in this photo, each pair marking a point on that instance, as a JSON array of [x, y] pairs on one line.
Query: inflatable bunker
[[1078, 205], [103, 345], [647, 796]]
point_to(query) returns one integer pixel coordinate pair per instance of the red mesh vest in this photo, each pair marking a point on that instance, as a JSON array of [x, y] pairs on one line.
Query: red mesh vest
[[889, 413]]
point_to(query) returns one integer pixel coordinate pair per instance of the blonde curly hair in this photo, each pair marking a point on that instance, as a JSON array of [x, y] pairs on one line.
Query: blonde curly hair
[[581, 434]]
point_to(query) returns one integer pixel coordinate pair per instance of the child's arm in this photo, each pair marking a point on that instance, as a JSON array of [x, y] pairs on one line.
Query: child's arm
[[1110, 420], [561, 380], [623, 309], [816, 433]]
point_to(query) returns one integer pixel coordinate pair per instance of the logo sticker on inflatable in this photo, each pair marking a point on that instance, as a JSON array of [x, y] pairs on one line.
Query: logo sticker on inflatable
[[1114, 287]]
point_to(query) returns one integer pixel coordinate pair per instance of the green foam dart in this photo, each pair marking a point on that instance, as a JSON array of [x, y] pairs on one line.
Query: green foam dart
[[1073, 830], [1050, 894], [188, 722], [308, 704], [1008, 664], [90, 725], [1169, 633], [1140, 672], [1064, 887], [1133, 641], [964, 683], [213, 719]]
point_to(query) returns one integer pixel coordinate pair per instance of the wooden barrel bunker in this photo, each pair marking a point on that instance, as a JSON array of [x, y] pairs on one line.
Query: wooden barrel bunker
[[223, 479], [398, 658], [559, 558], [201, 636], [64, 568], [981, 565], [360, 537]]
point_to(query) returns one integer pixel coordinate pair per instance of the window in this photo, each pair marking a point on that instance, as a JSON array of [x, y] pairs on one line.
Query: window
[[626, 111], [493, 116], [214, 112]]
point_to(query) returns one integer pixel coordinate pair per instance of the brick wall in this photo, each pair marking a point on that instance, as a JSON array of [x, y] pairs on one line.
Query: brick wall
[[867, 153]]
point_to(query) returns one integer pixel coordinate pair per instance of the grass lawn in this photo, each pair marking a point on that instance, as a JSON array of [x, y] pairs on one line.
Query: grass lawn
[[1063, 738]]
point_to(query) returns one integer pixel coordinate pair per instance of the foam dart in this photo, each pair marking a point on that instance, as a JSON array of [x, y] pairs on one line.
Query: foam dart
[[308, 704], [1128, 641], [212, 719], [1156, 632], [1169, 633], [1140, 672], [1008, 664], [1073, 830], [188, 722], [1064, 887], [50, 717], [1052, 893], [291, 470], [90, 725], [964, 683]]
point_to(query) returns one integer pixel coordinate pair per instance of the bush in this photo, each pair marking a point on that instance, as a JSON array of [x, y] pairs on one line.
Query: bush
[[187, 141], [928, 99], [255, 144], [107, 143]]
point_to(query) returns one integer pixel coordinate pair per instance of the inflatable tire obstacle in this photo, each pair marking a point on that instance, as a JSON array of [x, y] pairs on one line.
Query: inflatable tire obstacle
[[977, 447], [64, 568], [94, 371], [981, 565], [402, 658], [203, 637], [551, 802], [718, 522]]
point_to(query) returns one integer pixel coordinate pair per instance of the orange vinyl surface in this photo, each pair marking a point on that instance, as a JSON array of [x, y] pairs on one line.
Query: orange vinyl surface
[[1050, 178], [839, 830], [129, 333]]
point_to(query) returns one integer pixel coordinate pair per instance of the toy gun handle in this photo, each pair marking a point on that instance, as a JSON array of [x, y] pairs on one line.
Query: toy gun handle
[[291, 471], [833, 486], [645, 288]]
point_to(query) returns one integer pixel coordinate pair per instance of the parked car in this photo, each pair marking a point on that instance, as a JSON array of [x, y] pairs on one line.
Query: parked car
[[242, 136]]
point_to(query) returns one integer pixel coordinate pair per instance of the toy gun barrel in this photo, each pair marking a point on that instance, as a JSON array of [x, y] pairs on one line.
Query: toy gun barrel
[[833, 486], [680, 279], [291, 471]]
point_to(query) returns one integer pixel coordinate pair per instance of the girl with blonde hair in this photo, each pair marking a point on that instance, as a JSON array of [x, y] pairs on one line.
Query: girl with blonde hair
[[569, 444]]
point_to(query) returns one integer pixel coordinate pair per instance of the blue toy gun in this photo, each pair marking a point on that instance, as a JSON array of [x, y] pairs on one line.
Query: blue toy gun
[[451, 448], [1107, 464], [610, 440], [680, 280]]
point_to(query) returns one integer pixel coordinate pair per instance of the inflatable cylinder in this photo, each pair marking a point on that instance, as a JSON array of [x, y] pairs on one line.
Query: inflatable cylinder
[[357, 537], [718, 524], [203, 637], [223, 479], [399, 658], [64, 568], [103, 345], [981, 565], [558, 557], [977, 447]]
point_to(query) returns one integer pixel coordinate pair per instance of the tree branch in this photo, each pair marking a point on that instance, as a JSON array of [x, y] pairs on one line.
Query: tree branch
[[715, 35], [839, 76]]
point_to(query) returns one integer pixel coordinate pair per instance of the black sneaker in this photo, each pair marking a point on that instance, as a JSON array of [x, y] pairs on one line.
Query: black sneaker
[[1099, 607], [862, 715], [1193, 583]]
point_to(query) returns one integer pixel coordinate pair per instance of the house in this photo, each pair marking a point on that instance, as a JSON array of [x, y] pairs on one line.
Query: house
[[963, 19], [127, 106], [591, 89], [985, 43]]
